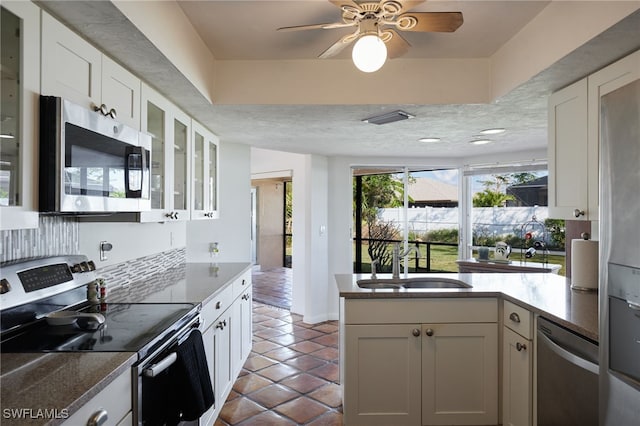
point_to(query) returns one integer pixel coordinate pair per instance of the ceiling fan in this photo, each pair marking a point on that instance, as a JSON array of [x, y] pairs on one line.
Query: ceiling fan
[[377, 24]]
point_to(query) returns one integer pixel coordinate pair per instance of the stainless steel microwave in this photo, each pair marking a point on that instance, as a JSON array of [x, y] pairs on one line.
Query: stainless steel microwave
[[90, 163]]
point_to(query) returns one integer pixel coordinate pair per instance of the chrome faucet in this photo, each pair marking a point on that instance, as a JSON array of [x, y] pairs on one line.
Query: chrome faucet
[[397, 255], [373, 269]]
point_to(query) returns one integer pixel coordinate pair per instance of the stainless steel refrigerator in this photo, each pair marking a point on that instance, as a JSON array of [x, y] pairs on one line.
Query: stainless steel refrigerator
[[619, 381]]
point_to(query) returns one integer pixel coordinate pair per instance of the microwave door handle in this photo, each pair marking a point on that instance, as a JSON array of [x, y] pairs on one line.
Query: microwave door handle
[[129, 153]]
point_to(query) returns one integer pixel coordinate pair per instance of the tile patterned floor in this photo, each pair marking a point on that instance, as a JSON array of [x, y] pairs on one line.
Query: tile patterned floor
[[291, 376], [272, 286]]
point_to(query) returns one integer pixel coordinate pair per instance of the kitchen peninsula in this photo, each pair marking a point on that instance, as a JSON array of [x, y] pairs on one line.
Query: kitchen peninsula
[[437, 350]]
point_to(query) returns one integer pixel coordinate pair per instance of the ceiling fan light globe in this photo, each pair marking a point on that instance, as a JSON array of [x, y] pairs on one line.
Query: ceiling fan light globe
[[369, 53]]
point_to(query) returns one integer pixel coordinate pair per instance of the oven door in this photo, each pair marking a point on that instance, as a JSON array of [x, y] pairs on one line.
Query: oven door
[[153, 380]]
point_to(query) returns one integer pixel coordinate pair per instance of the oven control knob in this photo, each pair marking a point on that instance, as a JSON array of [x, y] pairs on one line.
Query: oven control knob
[[76, 268], [84, 266], [92, 265]]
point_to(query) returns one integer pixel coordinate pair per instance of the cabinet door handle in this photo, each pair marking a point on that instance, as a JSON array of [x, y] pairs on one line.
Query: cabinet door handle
[[98, 418], [415, 332], [218, 305], [578, 212], [514, 317], [521, 347], [243, 282], [429, 332]]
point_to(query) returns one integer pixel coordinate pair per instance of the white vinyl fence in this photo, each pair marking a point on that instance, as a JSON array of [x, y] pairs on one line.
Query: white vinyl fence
[[490, 221]]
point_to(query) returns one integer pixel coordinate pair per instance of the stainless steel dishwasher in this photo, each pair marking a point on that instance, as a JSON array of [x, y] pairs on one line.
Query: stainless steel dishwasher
[[567, 377]]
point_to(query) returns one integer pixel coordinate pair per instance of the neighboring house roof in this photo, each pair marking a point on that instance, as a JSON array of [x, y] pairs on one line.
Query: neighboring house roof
[[425, 189], [539, 182]]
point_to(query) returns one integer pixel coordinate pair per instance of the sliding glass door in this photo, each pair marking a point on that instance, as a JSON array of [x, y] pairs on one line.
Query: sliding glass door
[[412, 207]]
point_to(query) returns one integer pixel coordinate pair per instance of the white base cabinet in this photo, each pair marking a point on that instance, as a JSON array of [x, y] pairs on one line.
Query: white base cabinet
[[442, 368], [227, 320], [517, 366], [112, 404]]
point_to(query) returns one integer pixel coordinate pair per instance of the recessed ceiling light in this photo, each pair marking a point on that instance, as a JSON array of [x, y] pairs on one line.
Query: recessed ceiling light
[[480, 141], [429, 140], [494, 131]]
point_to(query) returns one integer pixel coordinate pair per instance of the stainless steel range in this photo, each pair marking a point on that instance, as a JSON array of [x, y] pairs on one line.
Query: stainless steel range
[[44, 308]]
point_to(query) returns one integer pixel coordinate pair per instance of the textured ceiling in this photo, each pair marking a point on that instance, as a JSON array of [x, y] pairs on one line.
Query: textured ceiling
[[243, 30]]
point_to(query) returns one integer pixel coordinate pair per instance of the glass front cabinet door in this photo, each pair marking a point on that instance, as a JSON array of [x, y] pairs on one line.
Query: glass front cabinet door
[[204, 177], [170, 129], [20, 52]]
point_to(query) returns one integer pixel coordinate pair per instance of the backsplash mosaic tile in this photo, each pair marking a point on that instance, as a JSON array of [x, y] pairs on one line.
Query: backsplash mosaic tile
[[55, 235], [132, 271]]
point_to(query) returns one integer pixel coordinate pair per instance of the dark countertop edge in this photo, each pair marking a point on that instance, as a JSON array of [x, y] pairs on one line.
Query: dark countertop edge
[[96, 388], [563, 322], [462, 293]]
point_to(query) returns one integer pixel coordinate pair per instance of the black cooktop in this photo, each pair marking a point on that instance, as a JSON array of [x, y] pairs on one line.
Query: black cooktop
[[128, 327]]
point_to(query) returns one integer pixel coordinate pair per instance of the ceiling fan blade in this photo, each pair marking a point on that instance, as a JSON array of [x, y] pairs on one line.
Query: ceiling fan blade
[[317, 26], [429, 21], [396, 44], [338, 46]]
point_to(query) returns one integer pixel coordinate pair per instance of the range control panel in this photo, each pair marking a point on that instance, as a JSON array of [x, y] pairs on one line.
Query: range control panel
[[30, 280]]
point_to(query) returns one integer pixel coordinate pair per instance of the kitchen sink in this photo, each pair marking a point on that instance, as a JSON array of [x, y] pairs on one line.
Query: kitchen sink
[[412, 283]]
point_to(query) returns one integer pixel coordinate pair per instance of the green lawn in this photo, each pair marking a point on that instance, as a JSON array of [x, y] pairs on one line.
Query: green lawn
[[443, 259]]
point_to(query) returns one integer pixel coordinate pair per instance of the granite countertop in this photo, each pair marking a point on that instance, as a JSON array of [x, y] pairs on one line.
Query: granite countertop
[[66, 381], [187, 283], [58, 382], [549, 295]]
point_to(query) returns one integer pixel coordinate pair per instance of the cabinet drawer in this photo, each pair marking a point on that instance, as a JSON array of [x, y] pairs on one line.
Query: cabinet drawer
[[517, 319], [241, 284], [213, 309], [410, 311], [115, 400]]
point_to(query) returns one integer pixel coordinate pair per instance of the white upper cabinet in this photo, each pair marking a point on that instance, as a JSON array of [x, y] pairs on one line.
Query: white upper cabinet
[[20, 89], [204, 173], [568, 153], [574, 139], [170, 129], [75, 70]]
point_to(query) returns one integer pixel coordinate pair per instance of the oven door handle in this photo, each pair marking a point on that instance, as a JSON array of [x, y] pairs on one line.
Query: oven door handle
[[569, 356], [159, 367]]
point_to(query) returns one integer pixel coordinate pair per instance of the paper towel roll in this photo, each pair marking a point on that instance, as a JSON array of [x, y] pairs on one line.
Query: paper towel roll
[[584, 264]]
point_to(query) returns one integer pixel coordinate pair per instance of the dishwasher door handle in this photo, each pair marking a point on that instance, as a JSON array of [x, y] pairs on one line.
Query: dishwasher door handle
[[569, 356]]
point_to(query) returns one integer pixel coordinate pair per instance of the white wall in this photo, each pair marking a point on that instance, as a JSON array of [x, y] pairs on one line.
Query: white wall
[[130, 240], [233, 229], [313, 290]]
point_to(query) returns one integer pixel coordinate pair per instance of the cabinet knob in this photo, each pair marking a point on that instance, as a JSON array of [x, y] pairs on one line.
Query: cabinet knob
[[578, 212], [429, 332], [220, 325], [98, 418], [176, 215], [218, 305], [243, 282], [112, 113], [514, 317], [415, 332], [102, 109], [521, 347]]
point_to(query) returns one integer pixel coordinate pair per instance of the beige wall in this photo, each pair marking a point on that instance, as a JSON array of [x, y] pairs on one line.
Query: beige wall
[[270, 195]]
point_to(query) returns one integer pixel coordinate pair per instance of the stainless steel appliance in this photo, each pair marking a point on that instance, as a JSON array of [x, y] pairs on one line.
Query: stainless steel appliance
[[567, 377], [31, 290], [90, 163], [620, 256]]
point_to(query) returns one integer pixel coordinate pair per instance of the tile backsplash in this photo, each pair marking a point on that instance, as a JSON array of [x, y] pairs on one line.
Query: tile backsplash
[[56, 235], [142, 268], [60, 235]]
